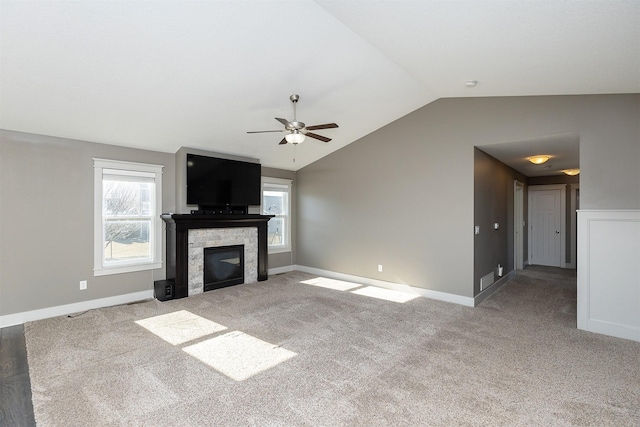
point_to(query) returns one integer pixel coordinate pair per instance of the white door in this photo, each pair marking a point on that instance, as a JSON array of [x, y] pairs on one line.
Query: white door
[[546, 231]]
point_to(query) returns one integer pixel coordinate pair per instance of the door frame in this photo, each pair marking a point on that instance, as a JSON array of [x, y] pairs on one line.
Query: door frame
[[563, 218], [573, 209], [518, 224]]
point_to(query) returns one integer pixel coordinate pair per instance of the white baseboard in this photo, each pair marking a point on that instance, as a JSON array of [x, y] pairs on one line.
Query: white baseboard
[[612, 329], [62, 310], [437, 295], [280, 270], [497, 285]]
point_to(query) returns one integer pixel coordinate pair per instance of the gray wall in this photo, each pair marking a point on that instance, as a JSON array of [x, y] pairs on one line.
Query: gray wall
[[403, 196], [46, 227], [46, 220], [554, 179], [493, 202]]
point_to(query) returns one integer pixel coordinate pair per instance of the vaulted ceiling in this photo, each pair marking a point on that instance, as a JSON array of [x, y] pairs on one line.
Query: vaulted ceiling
[[164, 74]]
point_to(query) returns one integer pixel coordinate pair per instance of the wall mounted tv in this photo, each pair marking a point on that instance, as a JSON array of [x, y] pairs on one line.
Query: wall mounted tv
[[214, 183]]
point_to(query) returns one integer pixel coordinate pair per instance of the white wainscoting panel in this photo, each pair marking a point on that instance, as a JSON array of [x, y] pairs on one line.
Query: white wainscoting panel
[[609, 272]]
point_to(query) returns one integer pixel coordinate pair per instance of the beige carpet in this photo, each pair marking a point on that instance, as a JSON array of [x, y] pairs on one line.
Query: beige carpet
[[288, 353]]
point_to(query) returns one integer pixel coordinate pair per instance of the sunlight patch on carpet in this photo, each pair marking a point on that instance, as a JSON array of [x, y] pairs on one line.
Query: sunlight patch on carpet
[[180, 326], [385, 294], [334, 284], [238, 355]]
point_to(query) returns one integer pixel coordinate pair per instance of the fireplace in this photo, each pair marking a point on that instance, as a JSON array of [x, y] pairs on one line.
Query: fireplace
[[189, 235], [223, 266]]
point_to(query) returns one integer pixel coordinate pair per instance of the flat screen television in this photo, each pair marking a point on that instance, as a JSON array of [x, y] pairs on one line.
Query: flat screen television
[[213, 182]]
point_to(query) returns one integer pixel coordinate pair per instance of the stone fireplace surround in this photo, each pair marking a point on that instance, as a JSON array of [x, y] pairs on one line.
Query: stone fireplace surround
[[188, 235], [202, 238]]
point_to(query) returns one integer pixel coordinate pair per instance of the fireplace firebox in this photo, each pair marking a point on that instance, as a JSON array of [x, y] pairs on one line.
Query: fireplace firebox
[[223, 266]]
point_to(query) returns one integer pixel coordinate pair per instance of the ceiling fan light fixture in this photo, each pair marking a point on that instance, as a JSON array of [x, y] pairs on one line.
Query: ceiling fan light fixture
[[571, 172], [295, 131], [539, 159], [295, 137]]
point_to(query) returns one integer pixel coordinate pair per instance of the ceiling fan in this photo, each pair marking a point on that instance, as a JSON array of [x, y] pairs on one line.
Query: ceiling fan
[[297, 131]]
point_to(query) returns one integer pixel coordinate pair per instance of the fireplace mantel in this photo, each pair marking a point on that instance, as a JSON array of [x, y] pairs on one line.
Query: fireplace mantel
[[178, 226]]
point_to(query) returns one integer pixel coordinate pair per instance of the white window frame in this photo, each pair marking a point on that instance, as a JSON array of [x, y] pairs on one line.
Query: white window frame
[[155, 231], [279, 184]]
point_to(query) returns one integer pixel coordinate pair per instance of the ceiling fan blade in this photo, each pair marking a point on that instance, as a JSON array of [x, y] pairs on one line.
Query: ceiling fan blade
[[327, 126], [264, 131], [316, 136], [284, 122], [284, 141]]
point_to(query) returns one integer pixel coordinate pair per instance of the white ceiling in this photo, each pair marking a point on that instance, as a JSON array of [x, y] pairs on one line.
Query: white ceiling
[[165, 74]]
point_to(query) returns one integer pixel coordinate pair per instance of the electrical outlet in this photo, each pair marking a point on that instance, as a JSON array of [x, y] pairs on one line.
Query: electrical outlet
[[380, 267], [477, 229], [83, 285]]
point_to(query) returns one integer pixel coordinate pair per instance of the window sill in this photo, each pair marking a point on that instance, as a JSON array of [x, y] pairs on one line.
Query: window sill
[[105, 271]]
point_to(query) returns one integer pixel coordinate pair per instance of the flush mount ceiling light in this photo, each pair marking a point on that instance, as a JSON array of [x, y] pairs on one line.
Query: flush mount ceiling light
[[571, 172], [539, 159]]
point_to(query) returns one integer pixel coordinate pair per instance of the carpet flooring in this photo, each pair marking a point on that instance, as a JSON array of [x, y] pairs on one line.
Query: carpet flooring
[[298, 350]]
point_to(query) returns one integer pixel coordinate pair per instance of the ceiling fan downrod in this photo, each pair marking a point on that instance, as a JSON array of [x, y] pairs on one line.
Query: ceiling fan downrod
[[294, 99]]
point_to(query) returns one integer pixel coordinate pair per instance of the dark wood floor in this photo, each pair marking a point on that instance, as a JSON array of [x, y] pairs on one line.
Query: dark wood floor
[[16, 408]]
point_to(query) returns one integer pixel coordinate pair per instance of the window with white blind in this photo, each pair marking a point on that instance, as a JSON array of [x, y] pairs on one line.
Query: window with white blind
[[127, 224], [276, 200]]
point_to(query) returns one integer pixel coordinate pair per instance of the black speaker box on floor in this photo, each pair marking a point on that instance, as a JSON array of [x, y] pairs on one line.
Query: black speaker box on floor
[[164, 289]]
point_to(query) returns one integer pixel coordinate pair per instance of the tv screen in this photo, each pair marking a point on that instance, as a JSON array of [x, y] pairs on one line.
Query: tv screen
[[221, 182]]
